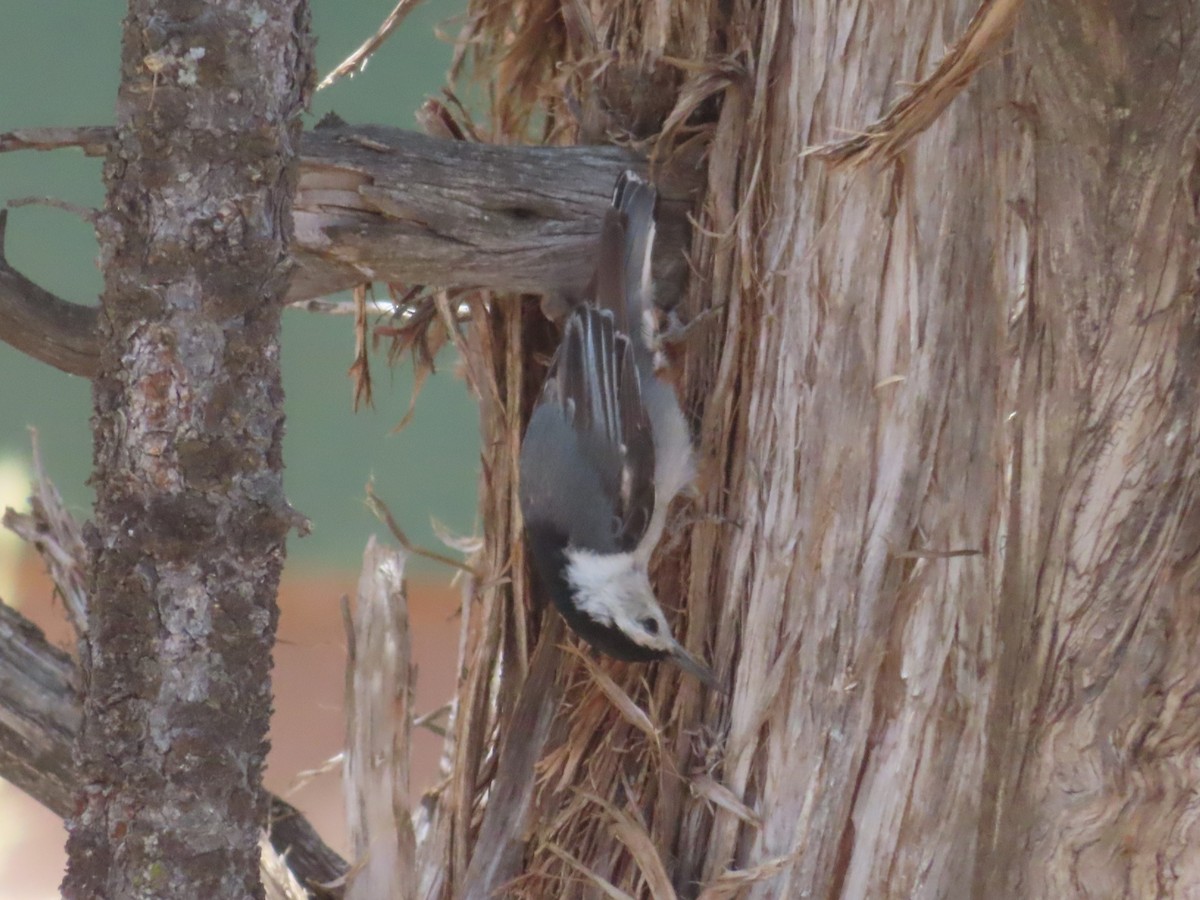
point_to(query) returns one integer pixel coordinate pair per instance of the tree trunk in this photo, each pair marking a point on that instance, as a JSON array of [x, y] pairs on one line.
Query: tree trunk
[[188, 535], [948, 569], [1090, 781]]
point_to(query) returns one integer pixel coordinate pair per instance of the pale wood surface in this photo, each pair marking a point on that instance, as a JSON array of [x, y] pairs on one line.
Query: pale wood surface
[[379, 683]]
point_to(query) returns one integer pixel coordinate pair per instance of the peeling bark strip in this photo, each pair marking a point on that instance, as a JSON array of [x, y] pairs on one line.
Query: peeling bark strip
[[188, 537], [379, 681], [920, 107]]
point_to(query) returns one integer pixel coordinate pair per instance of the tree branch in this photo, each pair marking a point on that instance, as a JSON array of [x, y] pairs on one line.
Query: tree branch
[[42, 325], [91, 139], [382, 204], [40, 715]]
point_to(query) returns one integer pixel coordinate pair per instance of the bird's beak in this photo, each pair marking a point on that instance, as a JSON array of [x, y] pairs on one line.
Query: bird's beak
[[694, 666]]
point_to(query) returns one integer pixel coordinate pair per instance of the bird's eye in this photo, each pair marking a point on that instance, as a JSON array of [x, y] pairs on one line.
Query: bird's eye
[[651, 625]]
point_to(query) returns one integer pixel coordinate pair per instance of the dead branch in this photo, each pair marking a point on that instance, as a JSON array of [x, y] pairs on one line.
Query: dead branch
[[91, 139], [382, 204], [357, 60], [40, 715], [42, 325], [87, 213]]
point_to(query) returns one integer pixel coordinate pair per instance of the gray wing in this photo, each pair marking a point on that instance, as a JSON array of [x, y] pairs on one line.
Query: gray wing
[[594, 389]]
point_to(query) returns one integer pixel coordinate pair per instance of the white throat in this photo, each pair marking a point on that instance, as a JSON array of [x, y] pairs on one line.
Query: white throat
[[614, 589]]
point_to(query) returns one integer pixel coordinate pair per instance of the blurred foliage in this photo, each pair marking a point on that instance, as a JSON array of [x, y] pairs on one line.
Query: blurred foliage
[[53, 75]]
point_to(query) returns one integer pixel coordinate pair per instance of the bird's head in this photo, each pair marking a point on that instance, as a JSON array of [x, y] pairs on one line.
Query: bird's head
[[615, 610]]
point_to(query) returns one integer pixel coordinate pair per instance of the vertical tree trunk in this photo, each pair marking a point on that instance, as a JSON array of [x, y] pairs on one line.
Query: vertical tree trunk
[[188, 536], [860, 422], [1090, 784], [950, 432], [990, 345]]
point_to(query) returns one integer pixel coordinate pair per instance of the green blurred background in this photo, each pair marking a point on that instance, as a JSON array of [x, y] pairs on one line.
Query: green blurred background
[[59, 60]]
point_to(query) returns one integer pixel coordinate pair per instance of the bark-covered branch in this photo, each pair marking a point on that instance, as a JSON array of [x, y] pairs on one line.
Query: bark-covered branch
[[39, 714], [39, 718], [381, 204], [42, 325]]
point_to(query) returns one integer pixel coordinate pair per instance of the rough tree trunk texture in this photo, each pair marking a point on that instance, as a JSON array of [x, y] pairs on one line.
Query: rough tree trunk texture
[[1091, 781], [39, 719], [188, 536], [949, 431]]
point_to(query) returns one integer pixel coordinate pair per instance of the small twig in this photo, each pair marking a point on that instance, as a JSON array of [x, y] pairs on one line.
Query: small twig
[[344, 307], [357, 60], [304, 777], [87, 213], [379, 508], [92, 139], [360, 369], [428, 720]]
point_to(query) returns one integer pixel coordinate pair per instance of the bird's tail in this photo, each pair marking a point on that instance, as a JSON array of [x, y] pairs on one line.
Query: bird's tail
[[636, 197], [623, 279]]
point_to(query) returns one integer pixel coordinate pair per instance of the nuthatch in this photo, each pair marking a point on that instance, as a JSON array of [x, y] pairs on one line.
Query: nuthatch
[[607, 450]]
